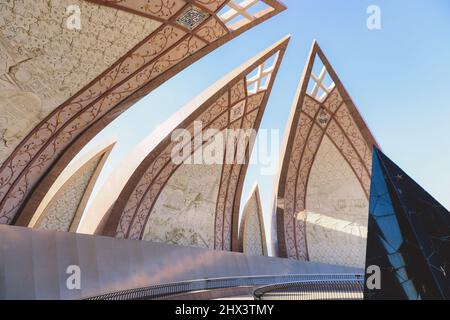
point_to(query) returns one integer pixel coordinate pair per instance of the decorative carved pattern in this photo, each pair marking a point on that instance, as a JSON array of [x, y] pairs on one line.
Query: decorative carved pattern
[[184, 212], [215, 117], [337, 210], [317, 116], [19, 111], [323, 118], [163, 9], [310, 106], [237, 111], [144, 189], [192, 17], [63, 206], [163, 53], [211, 30], [333, 102], [44, 63], [211, 5], [292, 183], [254, 101], [54, 135], [252, 236], [238, 92], [59, 214]]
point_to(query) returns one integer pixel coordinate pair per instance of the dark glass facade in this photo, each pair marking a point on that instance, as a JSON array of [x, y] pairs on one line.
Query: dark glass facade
[[408, 236]]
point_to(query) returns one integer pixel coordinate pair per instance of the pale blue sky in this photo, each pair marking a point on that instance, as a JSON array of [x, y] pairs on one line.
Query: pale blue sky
[[398, 77]]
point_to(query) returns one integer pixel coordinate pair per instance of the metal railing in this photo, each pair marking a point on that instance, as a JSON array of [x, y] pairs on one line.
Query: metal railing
[[178, 288], [351, 288]]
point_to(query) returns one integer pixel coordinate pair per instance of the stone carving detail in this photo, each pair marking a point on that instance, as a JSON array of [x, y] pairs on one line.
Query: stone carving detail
[[211, 30], [324, 118], [215, 117], [148, 203], [238, 92], [163, 9], [63, 206], [211, 5], [59, 214], [252, 231], [310, 106], [308, 140], [154, 181], [192, 17], [40, 56], [254, 101], [184, 212], [337, 210], [19, 111], [237, 111], [333, 102], [164, 47]]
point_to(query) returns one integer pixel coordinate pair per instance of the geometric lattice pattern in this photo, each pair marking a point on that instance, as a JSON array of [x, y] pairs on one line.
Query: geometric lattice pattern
[[237, 13], [191, 18], [259, 79], [320, 89], [317, 118]]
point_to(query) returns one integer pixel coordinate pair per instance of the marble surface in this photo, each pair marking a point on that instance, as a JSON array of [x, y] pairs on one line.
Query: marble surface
[[253, 242], [337, 210], [184, 213], [59, 213], [43, 63]]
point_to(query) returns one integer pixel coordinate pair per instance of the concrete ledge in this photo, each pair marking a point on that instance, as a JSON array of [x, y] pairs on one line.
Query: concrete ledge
[[33, 264]]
